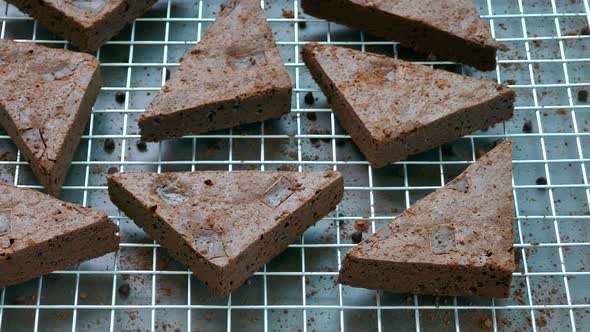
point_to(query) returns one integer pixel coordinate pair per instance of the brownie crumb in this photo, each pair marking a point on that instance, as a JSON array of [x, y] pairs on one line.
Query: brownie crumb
[[527, 127], [288, 13], [208, 183], [309, 98], [109, 145], [124, 290], [141, 146], [311, 116], [585, 30], [120, 97], [583, 96], [302, 25], [112, 170], [486, 324], [541, 181], [361, 226], [356, 237]]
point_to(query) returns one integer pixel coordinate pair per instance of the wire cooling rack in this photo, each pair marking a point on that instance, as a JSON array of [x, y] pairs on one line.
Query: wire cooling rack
[[140, 288]]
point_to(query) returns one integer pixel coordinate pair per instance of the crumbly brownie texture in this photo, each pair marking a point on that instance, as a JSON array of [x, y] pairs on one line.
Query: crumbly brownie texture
[[449, 29], [40, 234], [233, 76], [224, 226], [393, 108], [45, 102], [86, 24], [458, 241]]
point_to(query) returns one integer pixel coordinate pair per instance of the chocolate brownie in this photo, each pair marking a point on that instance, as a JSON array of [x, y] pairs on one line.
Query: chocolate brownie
[[224, 226], [449, 29], [457, 241], [233, 76], [86, 24], [45, 102], [393, 108], [40, 234]]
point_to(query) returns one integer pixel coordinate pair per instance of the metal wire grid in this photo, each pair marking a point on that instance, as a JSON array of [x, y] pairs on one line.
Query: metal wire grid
[[551, 289]]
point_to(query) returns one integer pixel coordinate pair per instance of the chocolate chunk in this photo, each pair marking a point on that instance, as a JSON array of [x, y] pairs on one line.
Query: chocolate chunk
[[109, 145], [356, 237], [311, 116], [541, 181], [450, 30], [223, 82], [120, 97], [393, 109], [450, 243], [124, 290], [527, 127], [227, 231], [585, 31], [112, 170], [40, 234], [87, 24], [583, 96], [302, 25], [141, 146], [45, 102], [167, 74], [309, 99]]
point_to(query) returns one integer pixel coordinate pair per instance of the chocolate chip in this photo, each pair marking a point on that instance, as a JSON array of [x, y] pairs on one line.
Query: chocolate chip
[[208, 183], [527, 127], [311, 116], [302, 25], [141, 146], [356, 237], [112, 170], [109, 145], [309, 99], [541, 181], [583, 96], [124, 290], [585, 30], [120, 97]]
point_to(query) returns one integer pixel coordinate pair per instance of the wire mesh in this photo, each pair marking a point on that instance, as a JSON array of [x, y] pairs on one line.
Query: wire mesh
[[141, 288]]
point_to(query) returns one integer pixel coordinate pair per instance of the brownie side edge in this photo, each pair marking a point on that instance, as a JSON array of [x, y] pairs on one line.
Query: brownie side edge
[[269, 104], [440, 280], [277, 239], [89, 242], [162, 233], [414, 34]]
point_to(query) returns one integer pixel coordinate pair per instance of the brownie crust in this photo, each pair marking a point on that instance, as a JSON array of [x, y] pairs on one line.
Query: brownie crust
[[379, 139], [224, 264], [478, 51], [40, 234], [86, 24]]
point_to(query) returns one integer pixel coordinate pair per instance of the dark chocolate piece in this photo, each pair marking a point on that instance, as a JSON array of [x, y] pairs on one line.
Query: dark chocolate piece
[[225, 225], [40, 234], [448, 29], [233, 76], [46, 98], [457, 241], [86, 24], [393, 108]]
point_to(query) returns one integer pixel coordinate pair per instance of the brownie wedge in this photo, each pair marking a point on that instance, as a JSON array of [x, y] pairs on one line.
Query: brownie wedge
[[87, 24], [224, 226], [40, 234], [393, 108], [451, 30], [457, 241], [46, 98], [233, 76]]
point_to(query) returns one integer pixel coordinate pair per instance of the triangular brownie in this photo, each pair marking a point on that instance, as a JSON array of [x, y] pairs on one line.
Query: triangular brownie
[[45, 102], [456, 241], [225, 225], [450, 29], [87, 24], [40, 234], [393, 108], [233, 76]]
